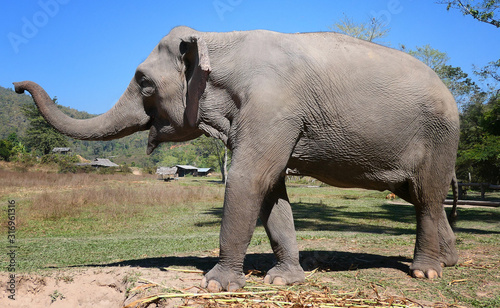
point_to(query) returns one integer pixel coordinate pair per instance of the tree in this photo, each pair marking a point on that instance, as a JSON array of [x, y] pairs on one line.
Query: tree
[[40, 136], [11, 147], [5, 149], [490, 73], [433, 58], [180, 154], [13, 138], [490, 120], [213, 150], [485, 11], [479, 148], [369, 31], [458, 82]]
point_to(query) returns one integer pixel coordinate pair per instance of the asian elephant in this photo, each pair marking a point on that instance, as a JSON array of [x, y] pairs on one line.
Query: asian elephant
[[345, 111]]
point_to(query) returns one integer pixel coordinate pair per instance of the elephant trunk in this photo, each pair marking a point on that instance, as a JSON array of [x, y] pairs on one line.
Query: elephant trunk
[[126, 117]]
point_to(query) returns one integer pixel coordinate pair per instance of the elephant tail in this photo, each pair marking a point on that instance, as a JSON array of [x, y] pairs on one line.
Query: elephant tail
[[452, 217]]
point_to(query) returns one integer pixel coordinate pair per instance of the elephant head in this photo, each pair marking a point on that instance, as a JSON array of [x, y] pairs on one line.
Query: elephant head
[[163, 96]]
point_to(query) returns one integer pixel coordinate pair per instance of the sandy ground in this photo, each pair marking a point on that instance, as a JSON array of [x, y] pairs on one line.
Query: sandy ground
[[93, 287]]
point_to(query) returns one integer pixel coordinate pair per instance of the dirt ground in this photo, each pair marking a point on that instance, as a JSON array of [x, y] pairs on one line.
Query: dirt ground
[[93, 287]]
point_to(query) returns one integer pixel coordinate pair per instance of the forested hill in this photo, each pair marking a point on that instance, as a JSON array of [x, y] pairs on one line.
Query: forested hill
[[13, 119], [129, 149]]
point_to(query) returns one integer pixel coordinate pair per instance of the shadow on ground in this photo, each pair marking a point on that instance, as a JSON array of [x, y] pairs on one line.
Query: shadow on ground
[[331, 261], [321, 217]]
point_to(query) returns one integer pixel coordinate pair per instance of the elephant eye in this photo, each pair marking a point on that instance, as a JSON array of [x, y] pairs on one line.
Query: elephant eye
[[147, 86], [145, 83]]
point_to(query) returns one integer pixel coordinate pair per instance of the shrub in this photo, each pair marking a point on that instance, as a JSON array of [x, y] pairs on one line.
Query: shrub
[[25, 159], [107, 170]]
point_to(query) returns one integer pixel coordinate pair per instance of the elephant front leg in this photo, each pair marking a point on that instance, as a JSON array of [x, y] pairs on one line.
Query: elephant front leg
[[242, 204], [257, 167], [277, 218]]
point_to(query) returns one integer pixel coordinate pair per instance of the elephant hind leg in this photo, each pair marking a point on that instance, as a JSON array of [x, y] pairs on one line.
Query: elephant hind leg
[[277, 218], [435, 243]]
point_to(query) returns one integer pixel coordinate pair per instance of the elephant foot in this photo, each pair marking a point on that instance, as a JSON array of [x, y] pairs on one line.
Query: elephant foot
[[448, 253], [449, 259], [428, 270], [283, 274], [430, 274], [424, 266], [223, 279]]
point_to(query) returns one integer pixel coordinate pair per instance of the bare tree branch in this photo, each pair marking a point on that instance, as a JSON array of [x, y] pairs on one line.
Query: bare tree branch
[[484, 11]]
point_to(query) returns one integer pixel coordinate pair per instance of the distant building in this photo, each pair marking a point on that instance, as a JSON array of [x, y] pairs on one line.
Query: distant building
[[184, 170], [103, 162], [100, 162], [166, 173], [204, 171], [61, 150]]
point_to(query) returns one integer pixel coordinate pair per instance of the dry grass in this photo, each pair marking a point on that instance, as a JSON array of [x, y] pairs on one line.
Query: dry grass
[[52, 196], [257, 294], [13, 181], [120, 199]]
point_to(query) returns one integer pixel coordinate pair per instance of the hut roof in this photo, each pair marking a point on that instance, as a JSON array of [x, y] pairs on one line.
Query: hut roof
[[103, 162], [187, 167], [203, 170], [166, 170]]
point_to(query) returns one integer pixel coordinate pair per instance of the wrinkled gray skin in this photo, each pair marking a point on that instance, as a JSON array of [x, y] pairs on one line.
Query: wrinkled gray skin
[[347, 112]]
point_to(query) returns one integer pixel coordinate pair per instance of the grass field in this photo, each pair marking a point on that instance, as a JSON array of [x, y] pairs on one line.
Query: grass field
[[352, 241]]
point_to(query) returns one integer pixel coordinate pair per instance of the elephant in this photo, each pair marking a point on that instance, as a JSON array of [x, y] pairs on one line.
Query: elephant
[[347, 112]]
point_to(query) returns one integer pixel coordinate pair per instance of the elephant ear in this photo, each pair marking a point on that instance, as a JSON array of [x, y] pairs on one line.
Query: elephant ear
[[197, 67]]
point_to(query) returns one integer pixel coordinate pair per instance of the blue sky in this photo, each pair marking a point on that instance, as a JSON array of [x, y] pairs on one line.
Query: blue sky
[[86, 52]]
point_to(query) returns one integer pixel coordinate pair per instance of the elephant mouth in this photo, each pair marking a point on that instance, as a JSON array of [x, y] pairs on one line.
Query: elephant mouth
[[158, 130]]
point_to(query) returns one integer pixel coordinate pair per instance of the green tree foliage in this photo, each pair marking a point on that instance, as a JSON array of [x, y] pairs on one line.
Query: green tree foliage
[[372, 30], [459, 83], [479, 148], [11, 147], [433, 58], [215, 154], [491, 116], [40, 136], [486, 11], [178, 154], [5, 150], [202, 152], [490, 74], [11, 116]]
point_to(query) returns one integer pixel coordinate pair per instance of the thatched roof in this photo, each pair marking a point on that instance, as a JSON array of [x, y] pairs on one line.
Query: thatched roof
[[103, 162], [99, 162], [166, 170]]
